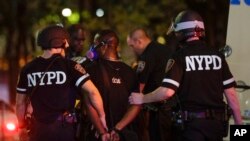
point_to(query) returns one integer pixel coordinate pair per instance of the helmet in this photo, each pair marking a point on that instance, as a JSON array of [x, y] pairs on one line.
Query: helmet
[[52, 37], [188, 24]]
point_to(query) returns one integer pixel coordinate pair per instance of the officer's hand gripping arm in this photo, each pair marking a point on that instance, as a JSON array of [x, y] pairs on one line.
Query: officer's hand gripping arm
[[159, 94]]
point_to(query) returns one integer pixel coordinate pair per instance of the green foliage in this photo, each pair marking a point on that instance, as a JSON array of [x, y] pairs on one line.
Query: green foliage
[[121, 16], [21, 19]]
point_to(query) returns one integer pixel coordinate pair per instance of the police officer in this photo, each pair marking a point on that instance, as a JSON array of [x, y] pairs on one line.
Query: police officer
[[198, 76], [115, 80], [152, 58], [46, 81]]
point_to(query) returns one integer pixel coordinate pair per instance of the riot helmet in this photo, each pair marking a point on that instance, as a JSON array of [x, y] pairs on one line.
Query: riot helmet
[[188, 24], [52, 37]]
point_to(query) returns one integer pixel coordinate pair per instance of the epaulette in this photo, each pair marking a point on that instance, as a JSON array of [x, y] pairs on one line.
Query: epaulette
[[79, 59]]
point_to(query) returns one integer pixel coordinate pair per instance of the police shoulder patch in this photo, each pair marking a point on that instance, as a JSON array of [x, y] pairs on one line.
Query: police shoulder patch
[[141, 66], [79, 68], [170, 64]]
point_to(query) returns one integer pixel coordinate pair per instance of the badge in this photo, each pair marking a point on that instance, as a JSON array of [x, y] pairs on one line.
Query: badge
[[169, 64], [141, 66], [79, 68]]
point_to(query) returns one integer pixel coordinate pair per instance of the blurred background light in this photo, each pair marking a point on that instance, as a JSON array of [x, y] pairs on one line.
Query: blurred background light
[[66, 12], [161, 40], [74, 18], [99, 12]]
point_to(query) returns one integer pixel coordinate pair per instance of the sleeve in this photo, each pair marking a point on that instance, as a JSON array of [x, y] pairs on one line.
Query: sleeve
[[78, 74], [22, 83], [228, 79], [135, 84], [174, 72], [145, 67]]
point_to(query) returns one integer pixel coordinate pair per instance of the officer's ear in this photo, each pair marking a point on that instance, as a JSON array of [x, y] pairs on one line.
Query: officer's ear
[[66, 43]]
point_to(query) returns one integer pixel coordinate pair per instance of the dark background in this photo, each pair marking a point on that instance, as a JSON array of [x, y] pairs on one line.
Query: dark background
[[20, 21]]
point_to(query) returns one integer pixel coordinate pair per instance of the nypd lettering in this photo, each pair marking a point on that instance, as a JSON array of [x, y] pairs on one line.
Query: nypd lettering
[[47, 78], [203, 62]]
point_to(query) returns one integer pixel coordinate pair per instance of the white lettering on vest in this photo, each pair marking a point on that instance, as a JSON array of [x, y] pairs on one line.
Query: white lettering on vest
[[57, 77], [116, 80], [203, 62]]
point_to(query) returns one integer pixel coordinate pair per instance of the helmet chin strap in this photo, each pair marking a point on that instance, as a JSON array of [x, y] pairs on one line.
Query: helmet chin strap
[[192, 38], [50, 52], [62, 53]]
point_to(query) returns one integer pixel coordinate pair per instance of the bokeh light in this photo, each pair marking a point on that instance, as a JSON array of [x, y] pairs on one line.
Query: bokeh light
[[99, 12], [66, 12]]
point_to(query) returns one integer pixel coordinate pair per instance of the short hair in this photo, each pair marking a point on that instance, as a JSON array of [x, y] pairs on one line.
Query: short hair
[[74, 28], [104, 33], [144, 33], [52, 36]]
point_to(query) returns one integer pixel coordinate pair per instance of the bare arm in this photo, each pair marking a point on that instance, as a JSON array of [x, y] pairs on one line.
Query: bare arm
[[94, 97], [141, 87], [130, 115], [161, 93], [20, 108], [94, 116], [233, 102]]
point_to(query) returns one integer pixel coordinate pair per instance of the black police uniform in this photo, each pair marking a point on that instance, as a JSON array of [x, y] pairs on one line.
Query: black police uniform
[[150, 71], [115, 80], [201, 74], [51, 97], [83, 121]]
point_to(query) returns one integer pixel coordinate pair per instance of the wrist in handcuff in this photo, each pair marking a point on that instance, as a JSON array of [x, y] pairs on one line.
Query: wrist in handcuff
[[118, 131], [101, 134]]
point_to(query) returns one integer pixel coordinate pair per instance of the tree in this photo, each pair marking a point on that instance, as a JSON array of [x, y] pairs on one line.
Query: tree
[[21, 19]]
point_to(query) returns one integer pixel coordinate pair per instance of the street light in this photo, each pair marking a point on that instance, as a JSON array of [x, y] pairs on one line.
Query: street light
[[66, 12], [99, 12]]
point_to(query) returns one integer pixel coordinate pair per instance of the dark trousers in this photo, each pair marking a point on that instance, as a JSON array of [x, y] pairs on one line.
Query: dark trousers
[[56, 131], [82, 128], [201, 130], [142, 127], [165, 124], [160, 125]]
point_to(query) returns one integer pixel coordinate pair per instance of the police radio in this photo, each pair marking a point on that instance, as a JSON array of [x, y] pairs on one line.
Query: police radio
[[92, 53]]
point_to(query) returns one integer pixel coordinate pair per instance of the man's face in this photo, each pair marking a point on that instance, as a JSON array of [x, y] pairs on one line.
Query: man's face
[[133, 43], [111, 42], [77, 40]]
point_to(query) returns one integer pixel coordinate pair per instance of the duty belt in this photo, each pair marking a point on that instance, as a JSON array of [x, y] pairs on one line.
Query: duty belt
[[67, 117], [209, 114]]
